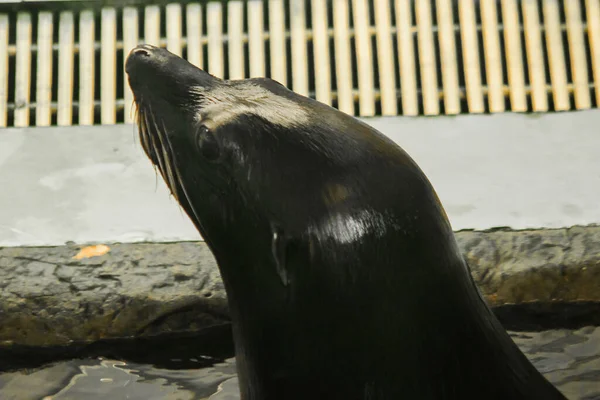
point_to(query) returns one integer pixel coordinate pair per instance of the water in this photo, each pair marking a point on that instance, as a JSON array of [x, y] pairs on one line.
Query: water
[[570, 359]]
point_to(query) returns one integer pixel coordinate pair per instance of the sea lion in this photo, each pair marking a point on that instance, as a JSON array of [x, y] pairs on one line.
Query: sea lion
[[343, 275]]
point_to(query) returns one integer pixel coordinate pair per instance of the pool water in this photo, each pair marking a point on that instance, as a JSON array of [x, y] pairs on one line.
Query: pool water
[[570, 359]]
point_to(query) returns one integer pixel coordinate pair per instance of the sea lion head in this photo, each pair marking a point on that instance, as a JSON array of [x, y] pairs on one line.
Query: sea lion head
[[249, 157]]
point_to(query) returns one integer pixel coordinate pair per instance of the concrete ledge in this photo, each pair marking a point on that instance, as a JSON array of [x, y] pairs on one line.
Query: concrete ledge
[[52, 296], [553, 265], [49, 297]]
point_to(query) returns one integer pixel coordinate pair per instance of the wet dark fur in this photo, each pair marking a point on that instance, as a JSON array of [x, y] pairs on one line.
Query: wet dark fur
[[393, 314]]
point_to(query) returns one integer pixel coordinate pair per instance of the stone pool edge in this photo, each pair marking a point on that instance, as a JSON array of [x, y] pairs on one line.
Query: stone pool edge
[[54, 296]]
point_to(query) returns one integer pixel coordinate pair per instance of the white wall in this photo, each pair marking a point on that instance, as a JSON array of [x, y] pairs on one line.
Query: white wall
[[94, 184]]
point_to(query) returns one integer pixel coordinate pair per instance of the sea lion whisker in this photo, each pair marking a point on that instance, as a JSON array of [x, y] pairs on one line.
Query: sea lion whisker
[[142, 129], [133, 130], [165, 155], [145, 134], [131, 109], [146, 140], [154, 146], [170, 160], [177, 178], [156, 141]]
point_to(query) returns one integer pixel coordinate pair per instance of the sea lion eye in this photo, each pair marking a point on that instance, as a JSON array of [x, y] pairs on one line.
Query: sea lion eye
[[207, 144]]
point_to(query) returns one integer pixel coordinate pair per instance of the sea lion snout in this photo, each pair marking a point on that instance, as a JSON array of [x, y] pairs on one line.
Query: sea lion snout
[[163, 69]]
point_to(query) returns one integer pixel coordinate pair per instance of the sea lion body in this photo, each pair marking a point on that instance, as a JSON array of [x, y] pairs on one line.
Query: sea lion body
[[343, 276]]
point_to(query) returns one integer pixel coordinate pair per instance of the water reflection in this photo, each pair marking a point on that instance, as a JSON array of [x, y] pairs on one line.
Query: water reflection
[[570, 360]]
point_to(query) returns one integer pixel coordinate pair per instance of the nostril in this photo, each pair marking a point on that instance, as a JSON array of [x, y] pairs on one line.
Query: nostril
[[141, 52]]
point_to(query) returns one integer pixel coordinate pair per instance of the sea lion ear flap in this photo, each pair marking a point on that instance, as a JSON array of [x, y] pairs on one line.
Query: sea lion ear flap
[[208, 145], [279, 244]]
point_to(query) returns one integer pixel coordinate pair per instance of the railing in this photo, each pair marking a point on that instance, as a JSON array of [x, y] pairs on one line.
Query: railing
[[63, 64]]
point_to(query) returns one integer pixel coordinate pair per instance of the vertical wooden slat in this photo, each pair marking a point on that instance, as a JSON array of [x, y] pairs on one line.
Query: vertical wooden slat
[[66, 33], [321, 51], [277, 41], [299, 51], [470, 51], [364, 61], [427, 59], [194, 35], [152, 25], [449, 63], [592, 8], [256, 40], [514, 55], [3, 70], [343, 60], [174, 30], [43, 95], [535, 56], [492, 55], [86, 67], [556, 59], [130, 40], [406, 51], [108, 66], [214, 22], [385, 58], [23, 69], [579, 66], [235, 31]]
